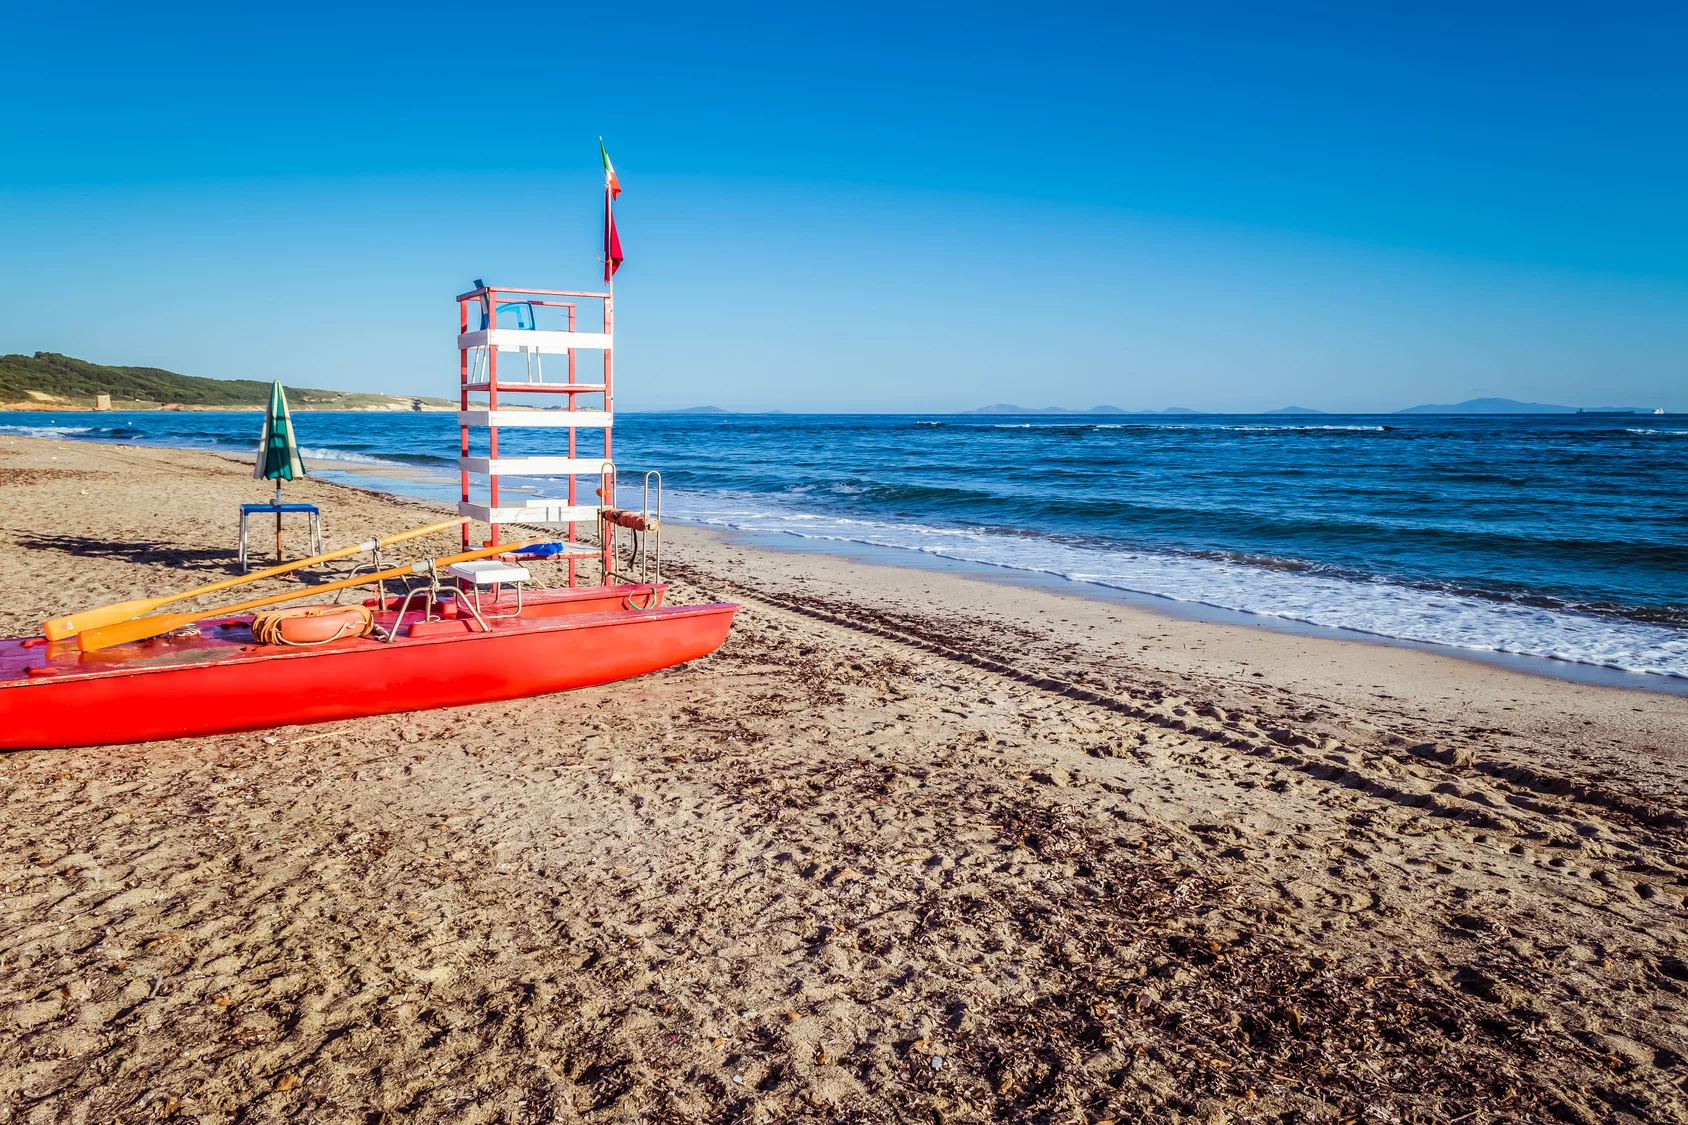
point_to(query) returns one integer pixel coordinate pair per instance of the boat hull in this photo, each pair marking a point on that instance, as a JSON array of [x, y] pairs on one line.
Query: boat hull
[[178, 688]]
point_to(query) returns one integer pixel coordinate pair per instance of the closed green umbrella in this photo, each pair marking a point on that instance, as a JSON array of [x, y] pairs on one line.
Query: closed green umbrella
[[278, 453]]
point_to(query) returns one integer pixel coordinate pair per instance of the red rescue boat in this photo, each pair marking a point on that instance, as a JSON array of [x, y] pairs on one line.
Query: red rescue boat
[[217, 679]]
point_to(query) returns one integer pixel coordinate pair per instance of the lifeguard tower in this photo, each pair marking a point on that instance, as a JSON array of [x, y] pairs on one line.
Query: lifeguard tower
[[503, 337]]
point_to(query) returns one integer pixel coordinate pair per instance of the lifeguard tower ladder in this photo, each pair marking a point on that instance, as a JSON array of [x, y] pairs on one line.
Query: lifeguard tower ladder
[[494, 322]]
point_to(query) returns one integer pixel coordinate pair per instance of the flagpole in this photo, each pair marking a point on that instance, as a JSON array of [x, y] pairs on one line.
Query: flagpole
[[607, 494], [606, 484]]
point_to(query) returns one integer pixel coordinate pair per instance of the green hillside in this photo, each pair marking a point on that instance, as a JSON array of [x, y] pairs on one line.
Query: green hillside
[[47, 378]]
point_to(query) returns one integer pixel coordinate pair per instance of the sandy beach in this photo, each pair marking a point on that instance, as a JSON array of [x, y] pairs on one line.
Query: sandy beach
[[911, 846]]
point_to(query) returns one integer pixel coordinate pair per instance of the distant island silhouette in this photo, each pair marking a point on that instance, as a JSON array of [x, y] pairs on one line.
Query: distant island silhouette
[[1010, 408], [1513, 406]]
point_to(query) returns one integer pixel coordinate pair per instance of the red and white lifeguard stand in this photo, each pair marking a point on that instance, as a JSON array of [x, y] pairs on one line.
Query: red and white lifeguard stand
[[495, 322]]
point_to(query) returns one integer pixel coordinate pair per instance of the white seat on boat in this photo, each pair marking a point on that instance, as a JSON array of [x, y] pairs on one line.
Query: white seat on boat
[[488, 572]]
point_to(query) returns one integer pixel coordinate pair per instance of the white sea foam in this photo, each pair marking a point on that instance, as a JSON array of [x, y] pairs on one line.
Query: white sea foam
[[348, 456], [45, 431], [1379, 608], [1666, 433], [1265, 429]]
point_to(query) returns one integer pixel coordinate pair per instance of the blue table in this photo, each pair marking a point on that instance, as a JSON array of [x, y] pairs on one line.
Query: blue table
[[278, 510]]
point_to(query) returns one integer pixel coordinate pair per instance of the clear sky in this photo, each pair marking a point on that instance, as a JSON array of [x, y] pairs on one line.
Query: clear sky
[[870, 207]]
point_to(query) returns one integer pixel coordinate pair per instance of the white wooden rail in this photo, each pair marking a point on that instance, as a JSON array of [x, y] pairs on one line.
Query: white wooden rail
[[548, 343], [555, 419], [534, 466]]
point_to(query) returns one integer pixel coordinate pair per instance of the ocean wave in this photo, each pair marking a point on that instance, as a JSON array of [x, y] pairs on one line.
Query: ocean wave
[[1202, 427], [1068, 426], [1666, 433], [45, 431], [1270, 429], [1293, 593], [348, 456]]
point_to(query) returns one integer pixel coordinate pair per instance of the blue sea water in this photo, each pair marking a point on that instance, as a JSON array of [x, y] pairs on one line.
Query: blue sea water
[[1559, 536]]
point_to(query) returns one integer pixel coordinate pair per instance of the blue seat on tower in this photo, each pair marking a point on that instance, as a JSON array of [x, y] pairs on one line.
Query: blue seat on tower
[[522, 310]]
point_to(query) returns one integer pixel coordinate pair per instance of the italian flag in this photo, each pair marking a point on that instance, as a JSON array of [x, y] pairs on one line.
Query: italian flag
[[611, 184]]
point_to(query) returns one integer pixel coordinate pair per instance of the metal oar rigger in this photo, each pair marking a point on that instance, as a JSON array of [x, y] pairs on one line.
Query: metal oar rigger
[[140, 629], [58, 628]]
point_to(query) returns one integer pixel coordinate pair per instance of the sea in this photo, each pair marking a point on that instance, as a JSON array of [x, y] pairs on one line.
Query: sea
[[1562, 538]]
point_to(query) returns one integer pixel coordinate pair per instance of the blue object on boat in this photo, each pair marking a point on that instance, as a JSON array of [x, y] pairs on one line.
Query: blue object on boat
[[541, 551]]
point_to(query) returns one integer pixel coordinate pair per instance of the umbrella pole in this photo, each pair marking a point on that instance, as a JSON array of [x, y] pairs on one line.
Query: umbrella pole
[[277, 502]]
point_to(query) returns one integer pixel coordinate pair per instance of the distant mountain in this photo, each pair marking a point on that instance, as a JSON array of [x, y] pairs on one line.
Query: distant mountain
[[1513, 406], [1491, 406], [695, 410], [1010, 408], [1295, 410]]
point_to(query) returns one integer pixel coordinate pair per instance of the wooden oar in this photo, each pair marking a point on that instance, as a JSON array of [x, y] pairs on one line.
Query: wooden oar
[[61, 627], [140, 629]]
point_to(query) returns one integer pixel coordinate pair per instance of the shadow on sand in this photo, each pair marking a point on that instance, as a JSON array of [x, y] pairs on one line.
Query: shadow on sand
[[212, 561]]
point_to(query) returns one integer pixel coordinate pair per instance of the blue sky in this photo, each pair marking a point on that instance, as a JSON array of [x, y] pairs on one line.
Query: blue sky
[[1221, 206]]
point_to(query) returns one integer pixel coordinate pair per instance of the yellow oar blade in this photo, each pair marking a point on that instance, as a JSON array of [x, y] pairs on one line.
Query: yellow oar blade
[[140, 628], [58, 628], [123, 632]]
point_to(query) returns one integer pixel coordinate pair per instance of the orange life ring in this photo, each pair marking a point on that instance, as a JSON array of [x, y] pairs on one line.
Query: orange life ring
[[312, 624]]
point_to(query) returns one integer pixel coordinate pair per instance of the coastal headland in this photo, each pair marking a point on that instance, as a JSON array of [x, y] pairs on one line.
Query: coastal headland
[[912, 845], [49, 381]]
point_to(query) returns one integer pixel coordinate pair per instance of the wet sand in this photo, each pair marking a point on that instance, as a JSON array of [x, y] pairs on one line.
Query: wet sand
[[912, 845]]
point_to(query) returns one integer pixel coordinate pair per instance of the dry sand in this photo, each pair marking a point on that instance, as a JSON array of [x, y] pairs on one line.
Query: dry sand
[[911, 846]]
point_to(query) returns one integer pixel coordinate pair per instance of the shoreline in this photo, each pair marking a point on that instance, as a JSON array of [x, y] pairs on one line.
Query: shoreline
[[1546, 667]]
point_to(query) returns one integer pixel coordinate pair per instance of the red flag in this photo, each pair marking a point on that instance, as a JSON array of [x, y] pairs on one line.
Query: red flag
[[612, 241]]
